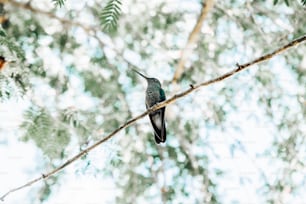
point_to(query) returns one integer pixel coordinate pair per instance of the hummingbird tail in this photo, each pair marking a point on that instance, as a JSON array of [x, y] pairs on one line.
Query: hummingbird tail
[[161, 138], [158, 123]]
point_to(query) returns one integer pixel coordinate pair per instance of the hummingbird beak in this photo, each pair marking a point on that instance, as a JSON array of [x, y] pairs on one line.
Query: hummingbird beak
[[140, 74]]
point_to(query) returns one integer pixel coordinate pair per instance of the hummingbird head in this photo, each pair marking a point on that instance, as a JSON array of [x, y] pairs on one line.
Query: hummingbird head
[[150, 81], [153, 81]]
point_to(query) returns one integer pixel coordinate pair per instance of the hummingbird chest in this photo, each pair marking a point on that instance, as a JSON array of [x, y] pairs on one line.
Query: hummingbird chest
[[152, 97]]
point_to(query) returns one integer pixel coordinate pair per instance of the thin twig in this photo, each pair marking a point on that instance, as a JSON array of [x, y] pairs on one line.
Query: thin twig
[[156, 107], [192, 39], [29, 7], [91, 30]]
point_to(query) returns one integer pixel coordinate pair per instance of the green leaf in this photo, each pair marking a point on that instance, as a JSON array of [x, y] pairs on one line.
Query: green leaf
[[287, 2], [48, 134], [59, 3], [10, 44], [2, 32], [110, 14]]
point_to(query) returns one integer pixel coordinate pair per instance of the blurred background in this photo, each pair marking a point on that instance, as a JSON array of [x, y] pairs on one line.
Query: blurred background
[[67, 83]]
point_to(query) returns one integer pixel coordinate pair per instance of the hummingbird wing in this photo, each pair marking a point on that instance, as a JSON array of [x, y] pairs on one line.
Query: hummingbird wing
[[158, 123], [157, 119]]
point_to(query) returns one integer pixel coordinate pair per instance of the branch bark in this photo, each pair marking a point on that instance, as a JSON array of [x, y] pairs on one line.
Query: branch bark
[[192, 39], [158, 106]]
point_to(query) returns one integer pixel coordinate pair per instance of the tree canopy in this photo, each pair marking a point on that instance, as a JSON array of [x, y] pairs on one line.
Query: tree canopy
[[66, 82]]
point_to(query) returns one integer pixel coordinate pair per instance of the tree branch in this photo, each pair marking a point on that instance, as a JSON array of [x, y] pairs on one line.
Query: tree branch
[[192, 39], [28, 6], [158, 106], [91, 30]]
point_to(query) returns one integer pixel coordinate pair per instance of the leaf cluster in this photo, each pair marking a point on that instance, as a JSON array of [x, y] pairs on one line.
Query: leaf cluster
[[59, 3], [50, 136], [11, 45], [110, 14]]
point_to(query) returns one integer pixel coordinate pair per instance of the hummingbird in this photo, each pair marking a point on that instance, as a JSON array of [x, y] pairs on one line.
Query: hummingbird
[[154, 95]]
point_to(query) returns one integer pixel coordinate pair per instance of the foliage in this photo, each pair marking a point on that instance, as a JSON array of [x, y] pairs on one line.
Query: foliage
[[59, 3], [243, 133], [9, 88], [48, 134], [10, 45], [12, 83], [286, 1], [110, 14]]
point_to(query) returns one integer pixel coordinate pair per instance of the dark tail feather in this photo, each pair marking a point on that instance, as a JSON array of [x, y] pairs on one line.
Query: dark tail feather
[[160, 136], [156, 118], [157, 139]]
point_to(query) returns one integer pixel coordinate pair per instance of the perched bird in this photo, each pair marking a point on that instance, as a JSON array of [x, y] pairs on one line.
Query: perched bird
[[154, 95]]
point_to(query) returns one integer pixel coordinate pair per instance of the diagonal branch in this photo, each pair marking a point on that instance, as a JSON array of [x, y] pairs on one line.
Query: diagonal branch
[[192, 39], [158, 106]]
